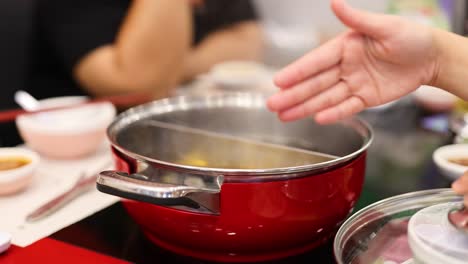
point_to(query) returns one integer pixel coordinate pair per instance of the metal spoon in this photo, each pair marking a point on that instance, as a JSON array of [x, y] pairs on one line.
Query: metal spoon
[[27, 101], [458, 217], [82, 185]]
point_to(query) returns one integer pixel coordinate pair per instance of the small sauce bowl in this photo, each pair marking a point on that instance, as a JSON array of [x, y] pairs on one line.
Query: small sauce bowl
[[17, 167], [451, 160]]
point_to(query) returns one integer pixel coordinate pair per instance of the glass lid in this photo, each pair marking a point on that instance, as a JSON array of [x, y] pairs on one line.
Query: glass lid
[[405, 229]]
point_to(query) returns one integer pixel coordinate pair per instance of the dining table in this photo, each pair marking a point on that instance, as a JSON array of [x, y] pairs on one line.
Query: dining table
[[398, 161]]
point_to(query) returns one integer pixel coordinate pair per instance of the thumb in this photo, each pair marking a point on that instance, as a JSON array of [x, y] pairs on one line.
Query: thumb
[[372, 24]]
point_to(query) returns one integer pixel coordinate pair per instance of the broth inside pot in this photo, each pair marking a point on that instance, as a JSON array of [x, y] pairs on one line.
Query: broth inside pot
[[201, 148]]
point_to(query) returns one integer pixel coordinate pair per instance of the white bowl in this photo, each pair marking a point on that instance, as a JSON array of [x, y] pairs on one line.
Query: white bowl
[[67, 133], [450, 169], [16, 179], [238, 74], [434, 99]]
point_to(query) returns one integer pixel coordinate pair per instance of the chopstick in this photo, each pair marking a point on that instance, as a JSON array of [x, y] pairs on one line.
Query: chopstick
[[119, 101]]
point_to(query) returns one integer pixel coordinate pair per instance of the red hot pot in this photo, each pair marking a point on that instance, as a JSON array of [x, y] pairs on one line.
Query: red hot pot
[[247, 206]]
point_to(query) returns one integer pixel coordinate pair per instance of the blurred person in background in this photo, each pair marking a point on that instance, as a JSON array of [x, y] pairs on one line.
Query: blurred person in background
[[379, 59], [108, 47], [105, 47]]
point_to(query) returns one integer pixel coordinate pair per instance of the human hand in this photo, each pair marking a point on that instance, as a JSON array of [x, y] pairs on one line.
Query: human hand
[[380, 59], [461, 187]]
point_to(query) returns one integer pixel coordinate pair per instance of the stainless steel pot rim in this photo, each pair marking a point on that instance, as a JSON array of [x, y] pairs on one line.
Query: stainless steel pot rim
[[236, 99], [413, 200]]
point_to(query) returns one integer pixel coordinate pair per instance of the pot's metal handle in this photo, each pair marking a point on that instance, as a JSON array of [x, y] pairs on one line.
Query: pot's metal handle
[[183, 191]]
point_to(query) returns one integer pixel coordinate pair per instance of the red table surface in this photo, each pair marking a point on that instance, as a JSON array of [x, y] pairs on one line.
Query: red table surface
[[51, 251]]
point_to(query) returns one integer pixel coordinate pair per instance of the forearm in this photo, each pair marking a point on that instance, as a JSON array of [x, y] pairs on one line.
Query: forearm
[[240, 42], [452, 66], [148, 53]]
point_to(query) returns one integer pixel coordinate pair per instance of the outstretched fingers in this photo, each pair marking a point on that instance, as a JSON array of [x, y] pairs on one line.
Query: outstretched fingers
[[368, 23], [301, 92], [461, 187], [311, 64], [345, 109], [324, 100]]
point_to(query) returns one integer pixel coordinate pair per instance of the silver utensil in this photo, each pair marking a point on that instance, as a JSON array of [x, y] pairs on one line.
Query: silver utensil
[[458, 217], [81, 186], [27, 101]]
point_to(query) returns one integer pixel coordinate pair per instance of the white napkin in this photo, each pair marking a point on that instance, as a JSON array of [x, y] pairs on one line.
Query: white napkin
[[51, 179]]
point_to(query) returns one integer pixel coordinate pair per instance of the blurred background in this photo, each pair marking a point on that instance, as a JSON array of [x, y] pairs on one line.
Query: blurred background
[[293, 27], [60, 48], [289, 29]]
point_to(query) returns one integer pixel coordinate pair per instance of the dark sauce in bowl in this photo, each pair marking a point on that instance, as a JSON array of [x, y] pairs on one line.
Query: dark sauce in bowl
[[460, 161]]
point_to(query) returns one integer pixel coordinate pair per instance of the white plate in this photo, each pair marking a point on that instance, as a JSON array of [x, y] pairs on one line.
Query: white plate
[[5, 241], [238, 74]]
